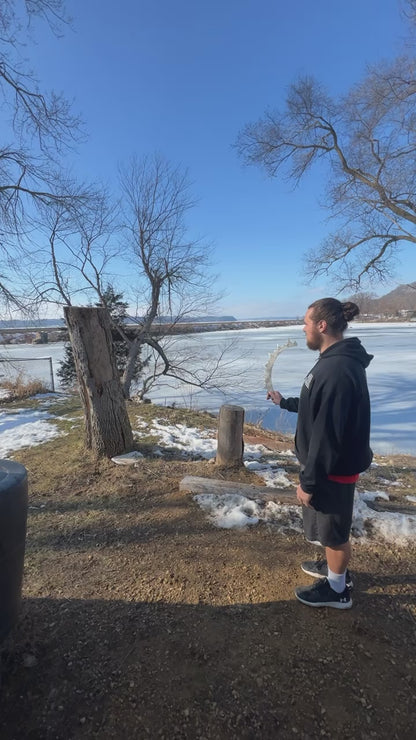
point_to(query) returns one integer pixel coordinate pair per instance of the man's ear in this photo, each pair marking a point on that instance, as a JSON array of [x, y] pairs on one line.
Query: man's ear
[[322, 326]]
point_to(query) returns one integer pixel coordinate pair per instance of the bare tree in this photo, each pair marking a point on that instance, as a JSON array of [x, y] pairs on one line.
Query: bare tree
[[74, 260], [193, 365], [37, 127], [409, 10], [35, 195], [368, 141], [76, 243], [170, 269], [70, 265], [367, 301], [73, 264]]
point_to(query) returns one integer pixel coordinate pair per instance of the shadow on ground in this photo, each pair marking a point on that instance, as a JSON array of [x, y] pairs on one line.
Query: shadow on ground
[[77, 668]]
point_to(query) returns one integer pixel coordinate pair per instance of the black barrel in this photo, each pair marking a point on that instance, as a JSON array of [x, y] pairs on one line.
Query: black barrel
[[13, 517]]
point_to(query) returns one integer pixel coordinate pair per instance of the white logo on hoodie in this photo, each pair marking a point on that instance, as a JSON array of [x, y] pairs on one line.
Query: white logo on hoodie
[[308, 381]]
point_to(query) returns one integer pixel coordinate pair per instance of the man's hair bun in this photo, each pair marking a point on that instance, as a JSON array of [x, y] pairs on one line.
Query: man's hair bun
[[350, 310]]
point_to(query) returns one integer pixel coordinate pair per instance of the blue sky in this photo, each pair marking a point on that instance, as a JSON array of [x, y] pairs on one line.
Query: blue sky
[[182, 77]]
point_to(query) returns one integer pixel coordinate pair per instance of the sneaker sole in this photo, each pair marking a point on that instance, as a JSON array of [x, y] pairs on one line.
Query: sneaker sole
[[330, 604], [349, 584]]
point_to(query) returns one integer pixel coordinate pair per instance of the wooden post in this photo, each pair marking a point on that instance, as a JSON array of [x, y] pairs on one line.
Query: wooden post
[[230, 436]]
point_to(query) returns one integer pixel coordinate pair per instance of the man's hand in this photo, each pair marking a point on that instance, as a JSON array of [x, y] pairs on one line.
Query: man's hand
[[274, 396], [303, 498]]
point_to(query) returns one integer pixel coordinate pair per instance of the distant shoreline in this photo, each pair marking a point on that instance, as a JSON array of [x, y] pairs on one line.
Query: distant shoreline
[[54, 334]]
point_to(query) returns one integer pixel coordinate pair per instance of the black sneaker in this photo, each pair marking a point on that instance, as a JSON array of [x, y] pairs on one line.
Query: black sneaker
[[319, 569], [321, 594]]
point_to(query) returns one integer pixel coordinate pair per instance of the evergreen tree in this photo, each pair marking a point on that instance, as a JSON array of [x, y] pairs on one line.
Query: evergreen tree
[[117, 309]]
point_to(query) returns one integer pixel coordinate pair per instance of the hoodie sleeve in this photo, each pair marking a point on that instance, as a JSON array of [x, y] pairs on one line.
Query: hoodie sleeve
[[331, 405], [290, 404]]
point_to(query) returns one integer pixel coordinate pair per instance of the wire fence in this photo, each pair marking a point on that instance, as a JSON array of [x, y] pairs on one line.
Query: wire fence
[[27, 369]]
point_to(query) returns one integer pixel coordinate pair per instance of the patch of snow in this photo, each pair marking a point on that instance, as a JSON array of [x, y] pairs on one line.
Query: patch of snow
[[229, 510], [387, 482], [233, 511], [190, 440], [25, 428], [255, 465], [372, 495], [396, 528], [254, 452], [275, 478], [284, 517]]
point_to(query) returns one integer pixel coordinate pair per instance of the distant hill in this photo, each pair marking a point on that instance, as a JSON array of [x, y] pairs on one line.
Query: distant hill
[[402, 298]]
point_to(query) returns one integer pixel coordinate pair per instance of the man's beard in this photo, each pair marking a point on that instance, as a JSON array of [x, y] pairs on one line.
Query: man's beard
[[314, 344]]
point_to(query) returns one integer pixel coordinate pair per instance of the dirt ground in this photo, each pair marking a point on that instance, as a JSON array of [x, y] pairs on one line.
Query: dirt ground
[[140, 619]]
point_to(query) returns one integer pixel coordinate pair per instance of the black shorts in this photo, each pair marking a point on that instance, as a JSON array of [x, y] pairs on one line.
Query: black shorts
[[329, 521]]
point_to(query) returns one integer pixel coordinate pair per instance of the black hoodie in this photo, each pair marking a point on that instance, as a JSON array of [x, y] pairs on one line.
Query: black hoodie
[[333, 429]]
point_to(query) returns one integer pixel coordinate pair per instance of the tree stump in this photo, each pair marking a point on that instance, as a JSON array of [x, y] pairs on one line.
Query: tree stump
[[230, 437], [107, 425]]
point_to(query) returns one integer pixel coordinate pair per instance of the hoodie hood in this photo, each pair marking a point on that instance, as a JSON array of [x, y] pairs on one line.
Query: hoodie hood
[[351, 347]]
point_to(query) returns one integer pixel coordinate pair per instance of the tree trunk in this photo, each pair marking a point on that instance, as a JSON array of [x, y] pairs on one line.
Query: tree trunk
[[134, 351], [107, 426]]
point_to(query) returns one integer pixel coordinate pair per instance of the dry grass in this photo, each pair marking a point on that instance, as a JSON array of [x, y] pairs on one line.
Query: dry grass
[[22, 387]]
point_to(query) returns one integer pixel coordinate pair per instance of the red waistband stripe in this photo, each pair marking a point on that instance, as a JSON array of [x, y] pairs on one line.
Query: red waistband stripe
[[344, 478]]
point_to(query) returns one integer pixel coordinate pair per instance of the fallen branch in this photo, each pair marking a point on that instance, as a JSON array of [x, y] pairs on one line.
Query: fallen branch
[[393, 507]]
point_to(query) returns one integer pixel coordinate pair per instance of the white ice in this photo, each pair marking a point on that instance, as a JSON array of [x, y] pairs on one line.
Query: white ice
[[391, 376]]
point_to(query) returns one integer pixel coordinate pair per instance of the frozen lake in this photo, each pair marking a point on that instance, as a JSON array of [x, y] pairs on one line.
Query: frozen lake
[[391, 377]]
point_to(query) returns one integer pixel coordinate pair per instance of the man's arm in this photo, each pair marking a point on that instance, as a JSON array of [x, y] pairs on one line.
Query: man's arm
[[290, 404]]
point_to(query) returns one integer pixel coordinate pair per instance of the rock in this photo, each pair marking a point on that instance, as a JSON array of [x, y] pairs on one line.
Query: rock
[[130, 458]]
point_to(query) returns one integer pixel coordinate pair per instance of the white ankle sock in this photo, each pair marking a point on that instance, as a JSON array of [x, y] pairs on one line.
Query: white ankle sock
[[336, 581]]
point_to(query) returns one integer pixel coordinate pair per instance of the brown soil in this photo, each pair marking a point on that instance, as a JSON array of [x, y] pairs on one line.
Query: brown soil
[[140, 619]]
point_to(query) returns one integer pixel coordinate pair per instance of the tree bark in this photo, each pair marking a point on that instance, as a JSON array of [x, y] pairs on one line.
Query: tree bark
[[230, 436], [135, 349], [107, 425]]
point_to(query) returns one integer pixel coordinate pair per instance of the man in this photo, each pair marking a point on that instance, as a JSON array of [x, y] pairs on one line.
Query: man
[[332, 446]]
